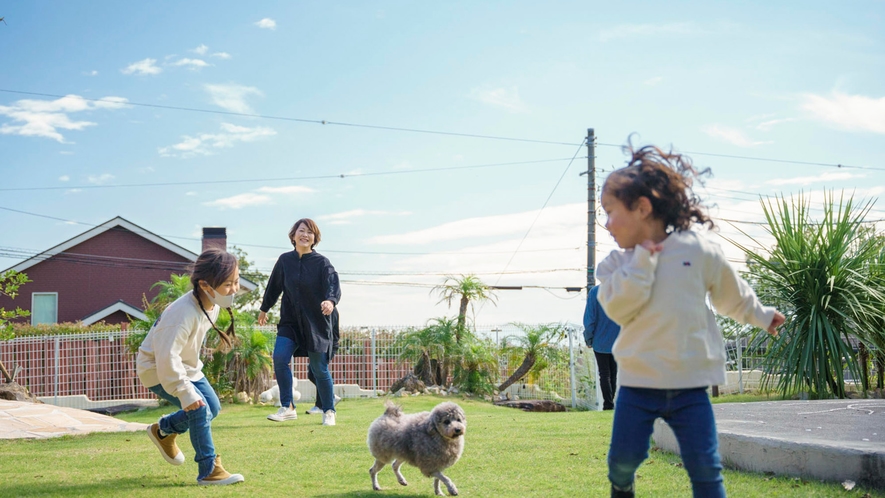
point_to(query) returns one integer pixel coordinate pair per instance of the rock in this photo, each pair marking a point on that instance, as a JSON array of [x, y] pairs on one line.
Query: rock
[[534, 405], [17, 392], [410, 383]]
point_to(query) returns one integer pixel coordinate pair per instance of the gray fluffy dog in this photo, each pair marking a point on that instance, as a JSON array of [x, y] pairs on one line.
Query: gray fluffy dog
[[432, 441]]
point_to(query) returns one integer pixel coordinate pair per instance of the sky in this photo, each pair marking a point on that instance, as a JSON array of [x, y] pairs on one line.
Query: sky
[[426, 138]]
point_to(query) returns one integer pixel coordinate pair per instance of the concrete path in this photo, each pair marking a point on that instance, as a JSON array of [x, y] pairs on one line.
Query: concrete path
[[36, 421], [832, 440]]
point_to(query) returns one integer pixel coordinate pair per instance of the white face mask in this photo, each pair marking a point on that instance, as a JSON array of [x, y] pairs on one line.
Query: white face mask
[[221, 300]]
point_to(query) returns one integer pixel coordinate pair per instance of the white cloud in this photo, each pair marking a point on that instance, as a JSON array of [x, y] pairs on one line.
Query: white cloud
[[66, 152], [768, 124], [205, 144], [848, 112], [346, 217], [191, 193], [221, 55], [487, 226], [232, 97], [731, 135], [43, 118], [64, 178], [191, 63], [201, 50], [100, 179], [653, 81], [291, 189], [808, 180], [144, 66], [267, 23], [500, 97], [91, 73], [240, 201], [634, 30]]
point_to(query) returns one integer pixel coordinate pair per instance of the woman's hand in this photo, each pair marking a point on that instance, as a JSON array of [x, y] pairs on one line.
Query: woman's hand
[[327, 307], [262, 318], [193, 406], [776, 322]]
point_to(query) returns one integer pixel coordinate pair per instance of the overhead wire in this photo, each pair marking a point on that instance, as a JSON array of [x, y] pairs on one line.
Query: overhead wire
[[325, 122]]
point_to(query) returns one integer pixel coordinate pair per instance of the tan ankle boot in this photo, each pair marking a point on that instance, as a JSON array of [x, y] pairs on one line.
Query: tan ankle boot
[[166, 445], [219, 476]]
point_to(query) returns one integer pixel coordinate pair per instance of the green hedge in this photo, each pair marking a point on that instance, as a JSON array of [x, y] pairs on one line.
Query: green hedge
[[65, 328]]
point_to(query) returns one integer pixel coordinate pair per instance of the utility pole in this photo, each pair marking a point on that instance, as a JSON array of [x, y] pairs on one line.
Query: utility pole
[[591, 208]]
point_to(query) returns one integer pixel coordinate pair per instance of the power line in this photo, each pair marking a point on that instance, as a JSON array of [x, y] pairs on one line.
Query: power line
[[297, 120], [426, 131], [281, 179]]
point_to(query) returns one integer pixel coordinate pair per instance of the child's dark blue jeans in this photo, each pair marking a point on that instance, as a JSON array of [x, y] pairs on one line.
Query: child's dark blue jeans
[[689, 413]]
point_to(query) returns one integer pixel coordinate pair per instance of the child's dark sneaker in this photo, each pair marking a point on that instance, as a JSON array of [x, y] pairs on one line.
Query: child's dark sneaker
[[166, 445], [618, 493], [219, 476]]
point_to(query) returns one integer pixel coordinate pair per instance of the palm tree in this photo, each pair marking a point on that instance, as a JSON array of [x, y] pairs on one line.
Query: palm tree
[[476, 366], [538, 348], [820, 274], [175, 287], [469, 288], [430, 349]]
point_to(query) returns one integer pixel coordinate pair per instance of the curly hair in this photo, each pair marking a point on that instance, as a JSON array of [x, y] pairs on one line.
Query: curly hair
[[666, 179]]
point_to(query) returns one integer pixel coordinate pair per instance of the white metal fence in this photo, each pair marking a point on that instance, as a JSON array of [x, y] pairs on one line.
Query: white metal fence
[[97, 369]]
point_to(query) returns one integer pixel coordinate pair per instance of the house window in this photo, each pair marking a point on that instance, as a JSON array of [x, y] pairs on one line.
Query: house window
[[44, 307]]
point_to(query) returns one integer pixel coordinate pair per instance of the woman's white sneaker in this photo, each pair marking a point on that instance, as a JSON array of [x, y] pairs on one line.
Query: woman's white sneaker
[[314, 411], [329, 417], [283, 414]]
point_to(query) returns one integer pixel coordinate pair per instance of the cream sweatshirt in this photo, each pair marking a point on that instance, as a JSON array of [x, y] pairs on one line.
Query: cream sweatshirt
[[170, 354], [669, 337]]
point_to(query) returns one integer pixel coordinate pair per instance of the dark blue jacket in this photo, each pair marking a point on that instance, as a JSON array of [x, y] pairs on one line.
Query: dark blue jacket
[[600, 331], [304, 283]]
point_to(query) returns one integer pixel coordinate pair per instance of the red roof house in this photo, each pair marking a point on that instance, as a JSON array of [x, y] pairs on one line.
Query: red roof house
[[101, 274]]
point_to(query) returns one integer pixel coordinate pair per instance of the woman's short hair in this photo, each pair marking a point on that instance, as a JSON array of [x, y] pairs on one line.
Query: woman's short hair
[[311, 225]]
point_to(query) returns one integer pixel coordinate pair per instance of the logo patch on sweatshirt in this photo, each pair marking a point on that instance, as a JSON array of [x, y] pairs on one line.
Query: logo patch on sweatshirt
[[686, 263]]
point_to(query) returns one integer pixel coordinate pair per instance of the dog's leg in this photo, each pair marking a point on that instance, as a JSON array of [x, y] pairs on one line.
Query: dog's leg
[[445, 480], [399, 476], [373, 472]]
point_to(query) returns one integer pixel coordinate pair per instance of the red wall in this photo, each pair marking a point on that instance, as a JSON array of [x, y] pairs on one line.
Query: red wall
[[86, 285]]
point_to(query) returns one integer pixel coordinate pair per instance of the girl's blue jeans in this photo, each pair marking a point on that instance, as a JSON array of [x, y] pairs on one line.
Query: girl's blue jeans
[[283, 350], [198, 422], [689, 413]]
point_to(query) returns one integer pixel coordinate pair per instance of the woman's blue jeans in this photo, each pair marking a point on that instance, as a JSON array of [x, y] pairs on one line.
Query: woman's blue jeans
[[283, 350], [198, 422], [689, 413]]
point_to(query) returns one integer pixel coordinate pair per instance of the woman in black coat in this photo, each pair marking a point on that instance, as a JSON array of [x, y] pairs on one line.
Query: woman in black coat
[[308, 317]]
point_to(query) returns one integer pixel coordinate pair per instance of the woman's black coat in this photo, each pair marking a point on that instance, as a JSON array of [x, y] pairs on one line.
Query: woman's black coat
[[305, 282]]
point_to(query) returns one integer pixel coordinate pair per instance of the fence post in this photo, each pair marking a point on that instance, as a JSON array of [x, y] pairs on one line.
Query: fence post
[[55, 376], [571, 365], [374, 362], [740, 365]]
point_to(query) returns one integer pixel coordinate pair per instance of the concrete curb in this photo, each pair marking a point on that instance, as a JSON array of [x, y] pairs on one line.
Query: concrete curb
[[861, 463]]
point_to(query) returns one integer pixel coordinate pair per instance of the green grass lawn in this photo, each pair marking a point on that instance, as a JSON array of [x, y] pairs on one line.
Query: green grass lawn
[[508, 453]]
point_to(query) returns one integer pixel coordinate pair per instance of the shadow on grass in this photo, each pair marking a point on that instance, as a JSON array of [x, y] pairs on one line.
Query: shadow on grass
[[120, 486]]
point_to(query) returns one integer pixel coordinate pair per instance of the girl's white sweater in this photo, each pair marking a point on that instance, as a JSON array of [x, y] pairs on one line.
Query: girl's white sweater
[[669, 337], [170, 354]]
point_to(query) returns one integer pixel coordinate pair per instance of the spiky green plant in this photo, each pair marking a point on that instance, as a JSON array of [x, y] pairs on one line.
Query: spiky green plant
[[537, 348], [820, 274], [476, 366]]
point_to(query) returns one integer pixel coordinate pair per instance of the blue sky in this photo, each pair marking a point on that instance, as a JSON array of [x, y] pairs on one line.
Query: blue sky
[[798, 82]]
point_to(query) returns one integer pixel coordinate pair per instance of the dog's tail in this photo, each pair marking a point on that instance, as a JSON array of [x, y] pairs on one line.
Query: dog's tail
[[392, 410]]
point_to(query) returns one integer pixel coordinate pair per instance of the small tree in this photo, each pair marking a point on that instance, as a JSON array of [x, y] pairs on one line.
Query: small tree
[[10, 282], [469, 289], [537, 348]]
